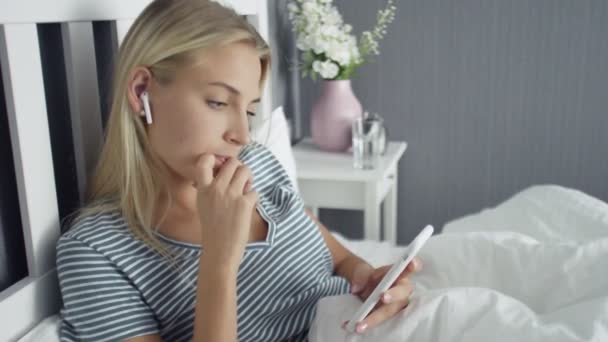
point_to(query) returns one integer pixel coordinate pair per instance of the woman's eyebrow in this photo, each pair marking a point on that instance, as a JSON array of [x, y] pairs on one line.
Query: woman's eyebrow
[[230, 89]]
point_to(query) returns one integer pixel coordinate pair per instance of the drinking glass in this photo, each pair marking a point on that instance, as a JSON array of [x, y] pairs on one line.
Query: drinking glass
[[365, 138]]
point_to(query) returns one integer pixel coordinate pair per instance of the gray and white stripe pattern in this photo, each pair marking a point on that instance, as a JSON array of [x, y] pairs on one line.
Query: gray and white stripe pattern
[[115, 287]]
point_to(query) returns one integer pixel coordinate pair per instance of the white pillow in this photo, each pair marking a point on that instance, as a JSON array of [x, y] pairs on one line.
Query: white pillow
[[273, 132]]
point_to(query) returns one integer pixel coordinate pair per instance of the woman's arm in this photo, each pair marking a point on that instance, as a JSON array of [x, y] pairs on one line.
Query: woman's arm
[[215, 312], [364, 278]]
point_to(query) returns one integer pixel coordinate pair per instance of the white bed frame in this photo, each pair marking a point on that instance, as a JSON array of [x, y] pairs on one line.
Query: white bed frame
[[35, 297]]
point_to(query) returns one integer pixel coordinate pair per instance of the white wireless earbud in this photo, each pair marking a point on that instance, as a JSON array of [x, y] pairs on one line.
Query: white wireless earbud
[[145, 99]]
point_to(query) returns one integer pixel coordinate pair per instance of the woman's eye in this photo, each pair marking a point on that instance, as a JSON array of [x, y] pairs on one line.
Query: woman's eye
[[215, 104], [218, 105]]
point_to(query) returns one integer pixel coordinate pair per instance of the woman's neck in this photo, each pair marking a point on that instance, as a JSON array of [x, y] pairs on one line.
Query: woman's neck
[[181, 207]]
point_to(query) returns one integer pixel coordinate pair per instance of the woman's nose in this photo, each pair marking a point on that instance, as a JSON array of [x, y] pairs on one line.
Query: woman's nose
[[239, 131]]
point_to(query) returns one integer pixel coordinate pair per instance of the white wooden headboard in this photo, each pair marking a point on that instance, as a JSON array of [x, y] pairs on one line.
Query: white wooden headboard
[[31, 299]]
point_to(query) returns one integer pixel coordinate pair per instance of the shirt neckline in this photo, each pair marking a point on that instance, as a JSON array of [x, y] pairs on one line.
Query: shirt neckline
[[255, 245]]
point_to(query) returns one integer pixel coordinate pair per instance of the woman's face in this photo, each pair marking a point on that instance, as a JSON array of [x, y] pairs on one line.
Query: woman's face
[[205, 109]]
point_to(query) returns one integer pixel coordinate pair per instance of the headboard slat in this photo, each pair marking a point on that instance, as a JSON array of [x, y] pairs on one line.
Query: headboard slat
[[28, 124], [83, 94]]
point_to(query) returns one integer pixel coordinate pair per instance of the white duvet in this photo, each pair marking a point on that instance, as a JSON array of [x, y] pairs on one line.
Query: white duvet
[[535, 268]]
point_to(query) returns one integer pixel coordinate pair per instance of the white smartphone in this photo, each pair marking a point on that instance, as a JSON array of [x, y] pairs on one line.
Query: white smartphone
[[390, 277]]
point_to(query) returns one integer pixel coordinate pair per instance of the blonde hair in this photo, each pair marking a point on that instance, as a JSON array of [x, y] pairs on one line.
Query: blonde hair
[[167, 35]]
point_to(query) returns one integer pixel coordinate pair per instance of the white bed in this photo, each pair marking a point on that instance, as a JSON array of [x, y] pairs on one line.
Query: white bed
[[532, 269]]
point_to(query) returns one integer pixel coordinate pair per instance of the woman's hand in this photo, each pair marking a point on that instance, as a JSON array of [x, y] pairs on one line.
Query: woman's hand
[[396, 298], [225, 204]]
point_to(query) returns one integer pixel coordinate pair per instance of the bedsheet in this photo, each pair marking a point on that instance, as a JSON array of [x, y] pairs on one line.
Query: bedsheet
[[534, 268]]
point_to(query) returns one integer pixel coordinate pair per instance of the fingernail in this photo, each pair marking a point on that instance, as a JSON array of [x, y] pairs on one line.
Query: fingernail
[[356, 288], [387, 297], [361, 328]]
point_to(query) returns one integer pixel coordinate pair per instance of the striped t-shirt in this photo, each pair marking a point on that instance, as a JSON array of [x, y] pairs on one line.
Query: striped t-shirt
[[115, 287]]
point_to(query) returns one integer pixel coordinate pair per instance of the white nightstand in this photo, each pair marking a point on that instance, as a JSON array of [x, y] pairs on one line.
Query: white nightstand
[[328, 180]]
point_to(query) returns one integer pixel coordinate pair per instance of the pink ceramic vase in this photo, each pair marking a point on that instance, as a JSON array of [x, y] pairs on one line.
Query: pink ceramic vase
[[332, 116]]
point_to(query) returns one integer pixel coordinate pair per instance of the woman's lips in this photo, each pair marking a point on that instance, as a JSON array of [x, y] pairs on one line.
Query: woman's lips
[[220, 160]]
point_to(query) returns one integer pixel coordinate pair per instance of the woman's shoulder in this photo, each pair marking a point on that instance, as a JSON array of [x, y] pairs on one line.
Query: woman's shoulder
[[92, 261], [95, 229]]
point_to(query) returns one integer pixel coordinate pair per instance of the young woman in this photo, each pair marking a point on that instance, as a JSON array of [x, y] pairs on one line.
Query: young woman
[[192, 231]]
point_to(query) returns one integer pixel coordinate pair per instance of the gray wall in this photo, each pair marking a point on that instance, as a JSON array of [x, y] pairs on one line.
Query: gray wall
[[491, 95]]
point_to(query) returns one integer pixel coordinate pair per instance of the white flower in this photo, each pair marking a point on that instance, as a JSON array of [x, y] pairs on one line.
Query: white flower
[[329, 48], [326, 69], [339, 52], [302, 44], [332, 31], [292, 7], [333, 17], [319, 46], [310, 8]]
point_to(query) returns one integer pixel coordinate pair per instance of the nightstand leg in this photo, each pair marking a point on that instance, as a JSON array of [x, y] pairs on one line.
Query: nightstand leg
[[371, 228], [390, 213]]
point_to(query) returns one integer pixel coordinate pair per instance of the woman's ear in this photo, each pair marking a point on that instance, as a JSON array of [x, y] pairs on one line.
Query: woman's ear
[[139, 82]]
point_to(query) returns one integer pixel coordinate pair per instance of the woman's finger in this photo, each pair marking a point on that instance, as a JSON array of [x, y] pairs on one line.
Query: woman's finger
[[360, 277], [248, 186], [204, 170], [224, 176], [379, 315], [414, 266], [241, 177], [373, 281], [252, 198], [400, 292]]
